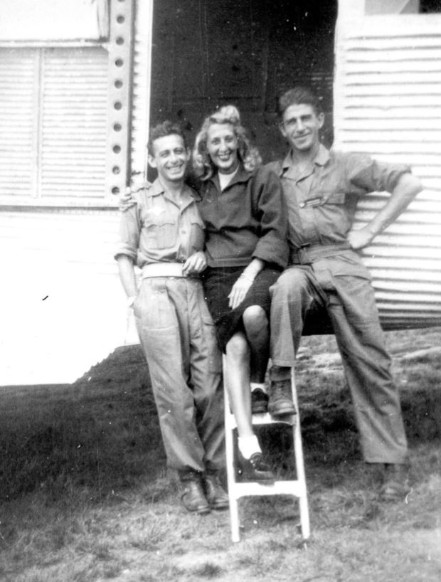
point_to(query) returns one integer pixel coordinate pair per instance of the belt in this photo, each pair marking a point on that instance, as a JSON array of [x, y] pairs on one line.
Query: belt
[[162, 270], [312, 252]]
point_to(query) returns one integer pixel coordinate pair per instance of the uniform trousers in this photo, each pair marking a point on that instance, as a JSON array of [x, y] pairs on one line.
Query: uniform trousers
[[178, 338], [342, 285]]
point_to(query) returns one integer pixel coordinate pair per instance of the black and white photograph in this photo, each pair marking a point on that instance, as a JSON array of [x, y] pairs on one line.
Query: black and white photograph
[[220, 314]]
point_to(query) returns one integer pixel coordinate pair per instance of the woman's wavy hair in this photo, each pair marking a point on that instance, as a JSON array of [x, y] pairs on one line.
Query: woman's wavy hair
[[248, 155]]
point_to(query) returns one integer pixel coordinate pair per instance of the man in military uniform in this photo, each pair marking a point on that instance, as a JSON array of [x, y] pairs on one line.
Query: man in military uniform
[[321, 189], [163, 235]]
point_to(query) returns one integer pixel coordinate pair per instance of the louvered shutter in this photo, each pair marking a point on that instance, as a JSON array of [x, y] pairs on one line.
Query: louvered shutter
[[18, 121], [53, 115], [73, 123]]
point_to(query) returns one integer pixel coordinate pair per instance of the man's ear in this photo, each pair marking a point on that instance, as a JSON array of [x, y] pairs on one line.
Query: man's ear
[[321, 118], [152, 161], [282, 129]]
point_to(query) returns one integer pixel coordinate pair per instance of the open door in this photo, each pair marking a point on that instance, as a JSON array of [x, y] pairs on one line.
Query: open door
[[206, 54]]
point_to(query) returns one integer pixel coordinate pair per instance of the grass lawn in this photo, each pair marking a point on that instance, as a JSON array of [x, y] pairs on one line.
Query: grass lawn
[[85, 495]]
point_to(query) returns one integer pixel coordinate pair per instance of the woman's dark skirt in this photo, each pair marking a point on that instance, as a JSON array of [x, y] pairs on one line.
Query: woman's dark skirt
[[218, 283]]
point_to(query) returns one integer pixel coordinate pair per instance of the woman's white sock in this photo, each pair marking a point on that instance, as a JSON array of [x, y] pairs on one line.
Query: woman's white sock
[[248, 446]]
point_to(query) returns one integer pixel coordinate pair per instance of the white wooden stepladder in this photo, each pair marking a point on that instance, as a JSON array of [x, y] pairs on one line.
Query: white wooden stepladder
[[296, 487]]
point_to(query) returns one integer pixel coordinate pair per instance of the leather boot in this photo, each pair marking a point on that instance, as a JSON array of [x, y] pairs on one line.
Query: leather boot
[[214, 492], [193, 497], [280, 398], [396, 483]]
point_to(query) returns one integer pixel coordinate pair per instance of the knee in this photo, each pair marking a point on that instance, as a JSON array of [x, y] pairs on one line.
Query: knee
[[237, 347], [289, 285], [255, 319]]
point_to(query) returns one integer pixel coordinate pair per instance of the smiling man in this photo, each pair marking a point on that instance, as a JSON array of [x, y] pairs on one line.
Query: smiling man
[[163, 235], [321, 189]]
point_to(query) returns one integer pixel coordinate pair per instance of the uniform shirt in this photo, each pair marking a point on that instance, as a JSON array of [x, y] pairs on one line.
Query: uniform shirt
[[246, 220], [322, 199], [159, 229]]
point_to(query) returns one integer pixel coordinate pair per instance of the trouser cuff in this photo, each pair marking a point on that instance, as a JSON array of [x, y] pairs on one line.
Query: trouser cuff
[[189, 475]]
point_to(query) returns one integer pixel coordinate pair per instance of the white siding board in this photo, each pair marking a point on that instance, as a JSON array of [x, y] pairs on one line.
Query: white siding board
[[387, 92], [392, 78], [359, 67], [433, 89], [386, 102], [432, 137], [423, 112], [384, 44], [417, 124]]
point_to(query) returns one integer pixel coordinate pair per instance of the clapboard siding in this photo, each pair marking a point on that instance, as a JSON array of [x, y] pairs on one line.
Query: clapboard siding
[[387, 93]]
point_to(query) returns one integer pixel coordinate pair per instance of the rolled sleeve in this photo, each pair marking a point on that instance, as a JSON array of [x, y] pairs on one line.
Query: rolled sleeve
[[374, 176], [272, 246], [129, 234]]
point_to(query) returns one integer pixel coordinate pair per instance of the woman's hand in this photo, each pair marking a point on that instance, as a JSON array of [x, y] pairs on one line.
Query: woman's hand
[[195, 264], [239, 290]]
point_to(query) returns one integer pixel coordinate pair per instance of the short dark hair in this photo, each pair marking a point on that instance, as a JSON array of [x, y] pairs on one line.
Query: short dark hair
[[299, 96], [162, 130]]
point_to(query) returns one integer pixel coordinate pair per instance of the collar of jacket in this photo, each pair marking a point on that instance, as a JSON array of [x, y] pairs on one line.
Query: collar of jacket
[[241, 175]]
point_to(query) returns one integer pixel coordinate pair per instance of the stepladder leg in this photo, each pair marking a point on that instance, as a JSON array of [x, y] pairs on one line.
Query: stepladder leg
[[304, 516], [234, 519], [300, 465], [230, 465]]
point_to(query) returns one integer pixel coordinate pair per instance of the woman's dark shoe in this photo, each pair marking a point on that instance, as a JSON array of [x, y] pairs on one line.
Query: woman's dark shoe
[[193, 497], [259, 401], [214, 492], [255, 469]]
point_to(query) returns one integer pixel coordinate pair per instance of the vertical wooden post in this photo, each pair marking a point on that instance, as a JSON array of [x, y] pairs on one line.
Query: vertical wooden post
[[119, 104]]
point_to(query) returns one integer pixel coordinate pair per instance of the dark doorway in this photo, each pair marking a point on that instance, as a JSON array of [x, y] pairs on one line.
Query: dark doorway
[[206, 54]]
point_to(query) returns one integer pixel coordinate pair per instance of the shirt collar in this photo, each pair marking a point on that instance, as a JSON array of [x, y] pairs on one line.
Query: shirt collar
[[320, 159], [157, 189]]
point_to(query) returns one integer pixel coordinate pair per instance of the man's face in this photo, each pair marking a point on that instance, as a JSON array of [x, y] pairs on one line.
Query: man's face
[[301, 127], [170, 157], [222, 146]]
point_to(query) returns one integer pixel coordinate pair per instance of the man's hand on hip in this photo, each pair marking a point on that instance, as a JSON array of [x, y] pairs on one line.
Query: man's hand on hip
[[358, 239]]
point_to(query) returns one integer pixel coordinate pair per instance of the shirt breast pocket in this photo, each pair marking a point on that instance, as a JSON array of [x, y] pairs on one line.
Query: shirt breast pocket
[[162, 233], [337, 198]]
